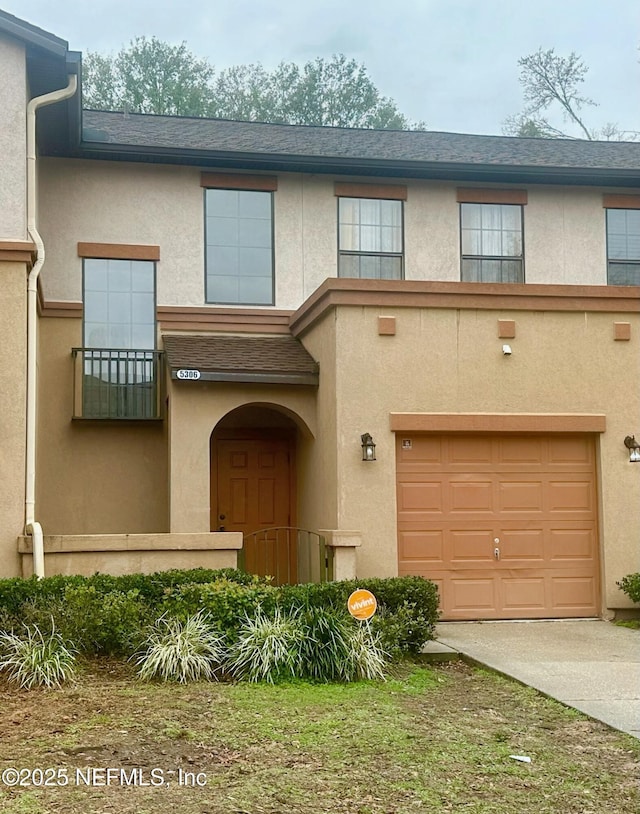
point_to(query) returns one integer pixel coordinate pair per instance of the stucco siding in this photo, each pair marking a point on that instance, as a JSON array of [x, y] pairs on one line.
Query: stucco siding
[[13, 103]]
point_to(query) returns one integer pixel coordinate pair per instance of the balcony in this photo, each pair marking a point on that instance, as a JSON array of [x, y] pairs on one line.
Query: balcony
[[117, 384]]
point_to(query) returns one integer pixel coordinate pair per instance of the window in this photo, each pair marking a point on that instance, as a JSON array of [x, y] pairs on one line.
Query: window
[[491, 237], [370, 240], [119, 363], [239, 247], [623, 246]]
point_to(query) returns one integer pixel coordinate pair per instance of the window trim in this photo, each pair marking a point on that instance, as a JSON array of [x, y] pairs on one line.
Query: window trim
[[521, 258], [348, 253], [234, 188]]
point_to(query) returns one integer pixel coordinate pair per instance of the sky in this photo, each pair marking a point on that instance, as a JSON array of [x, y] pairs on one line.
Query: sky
[[452, 64]]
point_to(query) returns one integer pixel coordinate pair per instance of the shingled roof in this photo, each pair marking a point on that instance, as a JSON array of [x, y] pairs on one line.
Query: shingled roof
[[272, 360], [380, 152]]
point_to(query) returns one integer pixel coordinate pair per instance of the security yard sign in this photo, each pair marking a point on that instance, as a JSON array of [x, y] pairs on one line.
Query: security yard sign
[[362, 604]]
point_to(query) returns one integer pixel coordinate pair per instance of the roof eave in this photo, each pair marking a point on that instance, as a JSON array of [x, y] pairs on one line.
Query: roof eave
[[597, 176]]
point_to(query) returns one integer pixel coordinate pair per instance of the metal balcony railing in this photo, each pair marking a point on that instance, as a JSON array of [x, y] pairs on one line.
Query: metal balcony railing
[[112, 383]]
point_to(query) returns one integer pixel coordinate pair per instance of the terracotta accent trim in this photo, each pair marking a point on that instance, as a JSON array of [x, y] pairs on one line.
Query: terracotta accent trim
[[619, 201], [228, 320], [622, 331], [65, 310], [118, 251], [18, 251], [506, 328], [385, 294], [228, 180], [387, 326], [494, 196], [497, 422], [389, 192]]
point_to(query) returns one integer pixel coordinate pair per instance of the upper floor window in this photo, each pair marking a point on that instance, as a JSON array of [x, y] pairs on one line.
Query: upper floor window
[[623, 246], [492, 244], [119, 303], [370, 232], [117, 371], [239, 247]]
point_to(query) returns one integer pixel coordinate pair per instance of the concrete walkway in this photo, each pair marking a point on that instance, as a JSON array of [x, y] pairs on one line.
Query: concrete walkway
[[592, 666]]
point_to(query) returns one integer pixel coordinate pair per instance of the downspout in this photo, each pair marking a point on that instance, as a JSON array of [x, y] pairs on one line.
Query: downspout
[[31, 526]]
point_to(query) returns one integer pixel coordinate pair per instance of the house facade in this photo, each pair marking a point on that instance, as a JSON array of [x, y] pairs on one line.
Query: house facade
[[225, 309]]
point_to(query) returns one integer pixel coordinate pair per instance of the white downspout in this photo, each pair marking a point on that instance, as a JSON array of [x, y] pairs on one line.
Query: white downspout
[[31, 526]]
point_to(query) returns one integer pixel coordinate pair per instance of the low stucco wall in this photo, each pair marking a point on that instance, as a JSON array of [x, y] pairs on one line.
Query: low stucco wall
[[118, 554]]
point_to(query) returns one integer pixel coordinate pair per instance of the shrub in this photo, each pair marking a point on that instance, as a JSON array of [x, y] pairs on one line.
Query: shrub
[[407, 607], [267, 648], [631, 586], [182, 651], [226, 602], [36, 659], [366, 659], [325, 649]]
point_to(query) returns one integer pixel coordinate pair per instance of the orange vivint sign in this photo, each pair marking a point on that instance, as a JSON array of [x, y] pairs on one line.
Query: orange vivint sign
[[362, 604]]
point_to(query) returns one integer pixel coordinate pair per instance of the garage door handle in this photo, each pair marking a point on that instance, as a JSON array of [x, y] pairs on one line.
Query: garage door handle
[[496, 550]]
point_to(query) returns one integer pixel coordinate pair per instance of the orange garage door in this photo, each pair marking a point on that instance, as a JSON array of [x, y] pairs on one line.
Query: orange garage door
[[505, 525]]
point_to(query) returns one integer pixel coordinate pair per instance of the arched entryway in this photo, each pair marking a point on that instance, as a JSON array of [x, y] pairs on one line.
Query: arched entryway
[[253, 482]]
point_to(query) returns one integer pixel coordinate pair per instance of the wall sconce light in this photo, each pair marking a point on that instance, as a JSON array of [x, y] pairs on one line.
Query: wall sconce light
[[634, 449], [368, 447]]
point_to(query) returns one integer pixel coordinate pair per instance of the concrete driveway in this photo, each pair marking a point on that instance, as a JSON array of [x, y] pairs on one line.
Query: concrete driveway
[[592, 666]]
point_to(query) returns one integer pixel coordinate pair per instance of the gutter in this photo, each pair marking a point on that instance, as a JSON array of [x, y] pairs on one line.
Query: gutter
[[31, 526]]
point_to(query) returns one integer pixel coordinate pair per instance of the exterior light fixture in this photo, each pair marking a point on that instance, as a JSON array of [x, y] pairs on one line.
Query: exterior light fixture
[[630, 443], [369, 448]]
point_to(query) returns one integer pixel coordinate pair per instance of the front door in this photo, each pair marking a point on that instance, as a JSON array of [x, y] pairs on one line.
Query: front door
[[252, 488]]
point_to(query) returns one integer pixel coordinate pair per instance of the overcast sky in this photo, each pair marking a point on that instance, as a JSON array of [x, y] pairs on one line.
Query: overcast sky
[[449, 63]]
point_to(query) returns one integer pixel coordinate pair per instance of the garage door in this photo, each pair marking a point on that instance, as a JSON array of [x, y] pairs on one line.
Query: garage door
[[505, 525]]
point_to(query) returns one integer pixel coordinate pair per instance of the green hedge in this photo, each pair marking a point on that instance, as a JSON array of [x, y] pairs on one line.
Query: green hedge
[[631, 586], [110, 615]]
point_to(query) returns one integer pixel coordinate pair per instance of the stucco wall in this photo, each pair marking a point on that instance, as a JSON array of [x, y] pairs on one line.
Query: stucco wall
[[93, 477], [13, 103], [111, 202], [450, 360], [13, 334]]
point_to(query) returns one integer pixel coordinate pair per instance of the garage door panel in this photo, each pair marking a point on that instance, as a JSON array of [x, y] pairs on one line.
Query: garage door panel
[[470, 450], [422, 545], [535, 494], [471, 496], [423, 497], [521, 450], [571, 450], [472, 545], [517, 545], [471, 593], [570, 496], [420, 449], [574, 593], [572, 544], [524, 593], [520, 496]]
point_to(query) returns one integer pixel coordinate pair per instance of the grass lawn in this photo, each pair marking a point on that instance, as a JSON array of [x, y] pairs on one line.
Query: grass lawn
[[431, 739]]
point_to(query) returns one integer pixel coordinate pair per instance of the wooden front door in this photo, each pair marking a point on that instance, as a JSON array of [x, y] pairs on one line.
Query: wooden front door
[[252, 482]]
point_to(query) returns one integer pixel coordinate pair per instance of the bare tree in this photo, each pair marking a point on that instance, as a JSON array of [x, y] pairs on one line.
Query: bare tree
[[550, 81]]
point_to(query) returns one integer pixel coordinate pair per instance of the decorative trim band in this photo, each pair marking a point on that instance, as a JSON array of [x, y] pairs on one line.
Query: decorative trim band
[[224, 180], [615, 201], [492, 196], [502, 423], [118, 251], [236, 320], [388, 192]]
